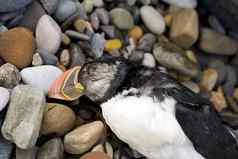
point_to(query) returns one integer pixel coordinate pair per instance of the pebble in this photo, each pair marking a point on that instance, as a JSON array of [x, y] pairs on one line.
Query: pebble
[[48, 34], [182, 3], [24, 115], [174, 60], [209, 79], [95, 155], [136, 33], [168, 20], [26, 154], [109, 149], [65, 9], [103, 16], [113, 44], [65, 57], [36, 76], [17, 46], [31, 16], [3, 28], [80, 25], [191, 56], [216, 24], [97, 43], [98, 148], [221, 69], [121, 18], [95, 21], [136, 56], [65, 39], [192, 86], [88, 5], [152, 19], [77, 56], [83, 138], [6, 148], [218, 99], [51, 123], [76, 35], [149, 60], [147, 42], [185, 28], [217, 43], [231, 81], [52, 149], [48, 59], [50, 5], [9, 76], [13, 5], [4, 97], [98, 3], [110, 31], [37, 60]]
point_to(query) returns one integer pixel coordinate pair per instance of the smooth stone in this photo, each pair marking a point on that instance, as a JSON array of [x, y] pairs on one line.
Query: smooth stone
[[149, 60], [147, 42], [48, 34], [218, 99], [3, 28], [24, 115], [51, 123], [13, 5], [5, 148], [185, 28], [98, 3], [32, 15], [36, 76], [4, 97], [182, 3], [65, 57], [95, 21], [209, 79], [76, 35], [145, 2], [48, 59], [52, 149], [88, 5], [26, 154], [217, 43], [221, 69], [109, 149], [37, 60], [65, 39], [103, 16], [9, 76], [95, 155], [137, 56], [97, 43], [173, 59], [77, 56], [98, 148], [109, 30], [121, 18], [50, 5], [192, 86], [65, 9], [83, 138], [17, 46], [153, 20], [131, 2]]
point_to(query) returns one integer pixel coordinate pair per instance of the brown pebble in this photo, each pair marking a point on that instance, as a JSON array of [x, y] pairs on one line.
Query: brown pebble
[[17, 46], [95, 155], [218, 99], [209, 79]]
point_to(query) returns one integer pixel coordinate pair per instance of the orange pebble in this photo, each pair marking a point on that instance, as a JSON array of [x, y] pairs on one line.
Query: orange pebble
[[95, 155], [113, 44], [136, 33]]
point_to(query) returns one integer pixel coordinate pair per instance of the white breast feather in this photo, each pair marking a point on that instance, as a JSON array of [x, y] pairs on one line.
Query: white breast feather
[[149, 127]]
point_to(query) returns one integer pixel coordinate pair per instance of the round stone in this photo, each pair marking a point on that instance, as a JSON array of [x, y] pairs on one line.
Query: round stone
[[153, 20], [182, 3], [88, 5], [95, 155], [48, 34], [4, 98], [83, 138], [64, 10], [37, 60], [149, 60], [58, 119], [40, 77], [122, 18], [17, 46], [98, 3]]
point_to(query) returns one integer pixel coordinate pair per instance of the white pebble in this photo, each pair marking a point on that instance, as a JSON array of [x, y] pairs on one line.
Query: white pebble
[[4, 97], [182, 3], [149, 60]]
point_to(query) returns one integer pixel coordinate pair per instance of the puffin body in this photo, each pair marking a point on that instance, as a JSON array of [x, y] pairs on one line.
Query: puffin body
[[162, 119]]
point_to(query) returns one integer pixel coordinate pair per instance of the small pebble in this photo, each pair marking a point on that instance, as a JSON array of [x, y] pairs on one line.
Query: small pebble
[[26, 154], [192, 86], [97, 43], [146, 42], [83, 138], [76, 35], [149, 60], [218, 99], [168, 20], [113, 44], [65, 57], [152, 19], [98, 148], [9, 76], [95, 155], [51, 123], [50, 5], [88, 5], [95, 20], [65, 39], [48, 59], [110, 31], [182, 3], [80, 25], [98, 3], [209, 79], [136, 56], [77, 56], [191, 56], [37, 60], [121, 18], [103, 16], [4, 97], [48, 34], [136, 33]]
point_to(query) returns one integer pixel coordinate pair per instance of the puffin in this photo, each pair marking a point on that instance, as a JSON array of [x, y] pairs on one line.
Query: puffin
[[162, 119]]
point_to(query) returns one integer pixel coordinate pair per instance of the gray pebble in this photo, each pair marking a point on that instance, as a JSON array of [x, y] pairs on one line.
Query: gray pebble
[[109, 30], [76, 35], [77, 56], [50, 5], [65, 57], [5, 148], [136, 56], [220, 67], [3, 28], [146, 42], [98, 3], [94, 20], [48, 59], [103, 16], [26, 154], [65, 9], [97, 43], [231, 81]]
